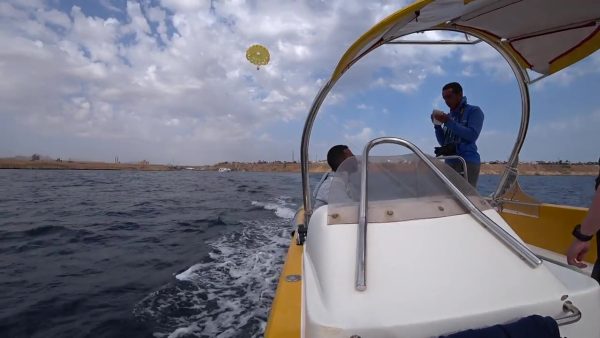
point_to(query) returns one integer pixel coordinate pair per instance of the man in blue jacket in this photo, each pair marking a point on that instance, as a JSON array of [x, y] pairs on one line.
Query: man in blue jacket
[[457, 131]]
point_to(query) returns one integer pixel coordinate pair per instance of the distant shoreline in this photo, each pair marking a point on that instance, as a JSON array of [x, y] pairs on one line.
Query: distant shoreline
[[78, 165], [319, 167]]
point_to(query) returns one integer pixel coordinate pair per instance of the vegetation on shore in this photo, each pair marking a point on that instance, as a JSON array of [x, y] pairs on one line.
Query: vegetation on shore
[[492, 168]]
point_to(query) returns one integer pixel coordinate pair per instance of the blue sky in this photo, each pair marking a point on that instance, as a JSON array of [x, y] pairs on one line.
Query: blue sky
[[167, 81]]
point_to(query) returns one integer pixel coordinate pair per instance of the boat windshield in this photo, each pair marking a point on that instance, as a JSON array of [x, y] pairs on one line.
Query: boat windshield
[[399, 188]]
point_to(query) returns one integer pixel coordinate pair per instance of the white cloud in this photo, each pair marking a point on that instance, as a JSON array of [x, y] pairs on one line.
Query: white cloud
[[186, 5], [485, 57], [275, 97], [139, 24], [469, 71], [356, 134], [108, 5], [172, 81], [406, 88], [54, 17], [364, 135]]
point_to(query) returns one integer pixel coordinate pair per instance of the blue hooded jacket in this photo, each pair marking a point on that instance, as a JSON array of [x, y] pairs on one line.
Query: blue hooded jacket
[[462, 128]]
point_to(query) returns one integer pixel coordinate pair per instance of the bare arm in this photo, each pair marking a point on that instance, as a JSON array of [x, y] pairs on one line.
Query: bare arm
[[590, 225]]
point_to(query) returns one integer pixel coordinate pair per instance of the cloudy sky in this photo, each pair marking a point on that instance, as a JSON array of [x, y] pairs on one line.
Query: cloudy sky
[[168, 81]]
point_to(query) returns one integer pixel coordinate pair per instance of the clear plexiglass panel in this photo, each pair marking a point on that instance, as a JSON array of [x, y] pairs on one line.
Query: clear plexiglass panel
[[399, 188]]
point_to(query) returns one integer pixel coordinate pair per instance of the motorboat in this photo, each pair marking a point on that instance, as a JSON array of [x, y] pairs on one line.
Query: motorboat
[[406, 247]]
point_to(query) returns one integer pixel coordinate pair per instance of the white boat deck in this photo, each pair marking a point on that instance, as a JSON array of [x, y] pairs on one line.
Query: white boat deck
[[430, 277]]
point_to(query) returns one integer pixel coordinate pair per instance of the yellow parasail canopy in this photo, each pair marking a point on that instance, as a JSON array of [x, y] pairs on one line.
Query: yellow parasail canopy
[[258, 55], [541, 35]]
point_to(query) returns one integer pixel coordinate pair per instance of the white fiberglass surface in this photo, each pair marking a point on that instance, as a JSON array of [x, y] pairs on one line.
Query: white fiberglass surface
[[399, 188], [430, 277]]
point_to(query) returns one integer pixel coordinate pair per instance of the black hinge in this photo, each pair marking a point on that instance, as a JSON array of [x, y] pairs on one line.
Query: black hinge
[[301, 234]]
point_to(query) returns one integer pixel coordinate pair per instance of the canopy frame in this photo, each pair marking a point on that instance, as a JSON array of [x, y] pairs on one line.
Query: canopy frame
[[521, 76]]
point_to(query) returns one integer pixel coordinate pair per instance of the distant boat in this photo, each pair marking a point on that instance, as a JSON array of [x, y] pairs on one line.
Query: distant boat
[[190, 168], [224, 170]]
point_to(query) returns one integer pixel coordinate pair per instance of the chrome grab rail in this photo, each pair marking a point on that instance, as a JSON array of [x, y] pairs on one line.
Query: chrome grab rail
[[573, 317], [462, 160], [361, 253]]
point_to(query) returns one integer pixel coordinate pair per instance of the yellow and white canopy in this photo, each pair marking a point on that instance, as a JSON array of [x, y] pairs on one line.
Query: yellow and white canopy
[[541, 35]]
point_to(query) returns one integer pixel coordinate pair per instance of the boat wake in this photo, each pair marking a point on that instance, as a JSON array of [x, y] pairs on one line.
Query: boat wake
[[229, 293], [280, 207]]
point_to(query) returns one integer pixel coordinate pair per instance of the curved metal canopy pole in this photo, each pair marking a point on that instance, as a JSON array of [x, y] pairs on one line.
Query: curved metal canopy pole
[[513, 160], [314, 109], [522, 79]]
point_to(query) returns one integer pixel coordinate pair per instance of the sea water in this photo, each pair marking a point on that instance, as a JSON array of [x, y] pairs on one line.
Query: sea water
[[159, 254]]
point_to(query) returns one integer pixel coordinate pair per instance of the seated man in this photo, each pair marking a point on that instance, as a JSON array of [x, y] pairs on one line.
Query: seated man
[[335, 156]]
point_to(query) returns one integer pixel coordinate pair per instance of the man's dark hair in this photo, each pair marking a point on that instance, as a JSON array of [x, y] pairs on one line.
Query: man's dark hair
[[335, 156], [455, 86]]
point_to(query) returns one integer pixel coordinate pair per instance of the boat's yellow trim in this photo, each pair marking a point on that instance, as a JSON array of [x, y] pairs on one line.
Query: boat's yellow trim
[[284, 319], [586, 48], [552, 229]]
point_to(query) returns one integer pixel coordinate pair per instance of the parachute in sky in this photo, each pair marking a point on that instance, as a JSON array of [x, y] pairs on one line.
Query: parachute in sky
[[258, 55]]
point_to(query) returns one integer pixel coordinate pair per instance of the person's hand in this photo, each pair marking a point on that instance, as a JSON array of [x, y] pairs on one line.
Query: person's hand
[[443, 118], [434, 115], [577, 252]]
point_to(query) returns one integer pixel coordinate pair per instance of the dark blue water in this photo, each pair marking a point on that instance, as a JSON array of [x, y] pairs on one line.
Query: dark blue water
[[158, 254]]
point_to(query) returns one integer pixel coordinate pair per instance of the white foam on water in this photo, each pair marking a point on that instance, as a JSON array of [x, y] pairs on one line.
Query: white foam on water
[[183, 331], [187, 274], [281, 207], [229, 293]]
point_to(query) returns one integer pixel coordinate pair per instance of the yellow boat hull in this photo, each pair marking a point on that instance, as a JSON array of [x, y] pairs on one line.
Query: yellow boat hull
[[550, 230], [284, 318]]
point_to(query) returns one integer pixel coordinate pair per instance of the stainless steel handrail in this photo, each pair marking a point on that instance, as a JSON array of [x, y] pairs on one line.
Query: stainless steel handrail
[[361, 253], [567, 319], [462, 160]]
